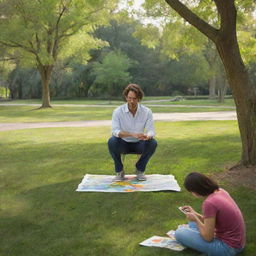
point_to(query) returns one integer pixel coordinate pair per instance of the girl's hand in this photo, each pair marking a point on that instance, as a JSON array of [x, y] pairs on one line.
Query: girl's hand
[[188, 209], [191, 216]]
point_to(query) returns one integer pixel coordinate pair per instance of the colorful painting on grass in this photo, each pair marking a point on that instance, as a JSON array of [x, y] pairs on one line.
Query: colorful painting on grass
[[106, 183], [163, 242]]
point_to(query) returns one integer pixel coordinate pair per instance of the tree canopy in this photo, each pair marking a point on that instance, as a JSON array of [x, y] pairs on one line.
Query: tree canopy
[[43, 31], [112, 72]]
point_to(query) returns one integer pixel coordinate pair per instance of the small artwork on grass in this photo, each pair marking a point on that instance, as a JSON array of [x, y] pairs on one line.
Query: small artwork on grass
[[106, 183], [163, 242]]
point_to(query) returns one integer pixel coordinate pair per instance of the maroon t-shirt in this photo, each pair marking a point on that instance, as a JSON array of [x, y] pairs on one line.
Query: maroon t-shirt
[[229, 225]]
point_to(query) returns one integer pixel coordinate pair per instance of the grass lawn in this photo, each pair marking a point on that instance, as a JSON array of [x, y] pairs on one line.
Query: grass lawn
[[13, 114], [146, 100], [42, 215], [199, 102]]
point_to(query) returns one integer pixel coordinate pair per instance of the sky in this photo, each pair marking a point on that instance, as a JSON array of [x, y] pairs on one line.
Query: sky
[[136, 6]]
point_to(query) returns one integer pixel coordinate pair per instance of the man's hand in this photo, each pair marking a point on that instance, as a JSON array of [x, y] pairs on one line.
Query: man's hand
[[139, 136], [142, 136]]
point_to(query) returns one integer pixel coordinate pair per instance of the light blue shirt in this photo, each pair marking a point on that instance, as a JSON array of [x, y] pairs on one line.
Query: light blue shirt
[[123, 120]]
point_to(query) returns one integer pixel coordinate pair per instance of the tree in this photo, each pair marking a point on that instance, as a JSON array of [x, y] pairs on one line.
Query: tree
[[155, 72], [82, 80], [177, 39], [112, 73], [120, 36], [6, 66], [43, 31], [225, 39]]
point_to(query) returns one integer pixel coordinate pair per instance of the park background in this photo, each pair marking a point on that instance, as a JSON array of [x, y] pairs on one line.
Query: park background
[[107, 46]]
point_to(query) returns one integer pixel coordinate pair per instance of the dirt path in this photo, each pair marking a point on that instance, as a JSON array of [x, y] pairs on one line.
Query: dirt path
[[171, 117]]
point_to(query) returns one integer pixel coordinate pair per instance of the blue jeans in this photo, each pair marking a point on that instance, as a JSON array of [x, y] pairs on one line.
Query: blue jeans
[[118, 146], [190, 237]]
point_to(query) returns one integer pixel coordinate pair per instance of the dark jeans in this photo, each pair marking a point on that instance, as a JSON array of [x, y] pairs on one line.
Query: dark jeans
[[118, 146]]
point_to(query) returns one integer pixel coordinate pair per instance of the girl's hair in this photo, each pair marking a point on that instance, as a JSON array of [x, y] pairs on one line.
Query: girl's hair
[[200, 184], [136, 89]]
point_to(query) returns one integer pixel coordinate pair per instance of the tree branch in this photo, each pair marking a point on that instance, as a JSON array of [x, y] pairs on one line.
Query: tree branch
[[193, 19], [56, 41], [38, 43], [227, 11], [18, 45], [59, 17], [74, 31], [8, 59]]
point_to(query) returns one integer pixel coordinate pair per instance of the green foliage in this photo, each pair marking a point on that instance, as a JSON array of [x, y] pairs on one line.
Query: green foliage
[[24, 83], [181, 39], [42, 30], [112, 73], [149, 35], [78, 46], [247, 42], [195, 58], [178, 35], [4, 92], [190, 71], [156, 73]]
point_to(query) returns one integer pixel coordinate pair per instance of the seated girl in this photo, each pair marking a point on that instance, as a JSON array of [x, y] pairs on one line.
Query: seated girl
[[220, 231]]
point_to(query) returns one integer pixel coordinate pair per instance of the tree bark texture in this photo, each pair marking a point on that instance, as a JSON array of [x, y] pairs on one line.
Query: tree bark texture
[[243, 91], [45, 73], [245, 99]]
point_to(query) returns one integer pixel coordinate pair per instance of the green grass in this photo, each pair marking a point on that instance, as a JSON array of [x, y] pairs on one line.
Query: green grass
[[56, 102], [188, 109], [146, 100], [199, 102], [14, 114], [42, 215]]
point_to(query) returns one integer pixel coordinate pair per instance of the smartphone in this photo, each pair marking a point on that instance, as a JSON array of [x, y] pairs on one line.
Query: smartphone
[[183, 210]]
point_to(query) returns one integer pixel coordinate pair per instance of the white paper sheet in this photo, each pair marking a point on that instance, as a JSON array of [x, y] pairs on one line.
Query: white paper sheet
[[106, 183]]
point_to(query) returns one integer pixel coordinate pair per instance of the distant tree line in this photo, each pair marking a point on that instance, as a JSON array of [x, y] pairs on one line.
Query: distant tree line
[[124, 59]]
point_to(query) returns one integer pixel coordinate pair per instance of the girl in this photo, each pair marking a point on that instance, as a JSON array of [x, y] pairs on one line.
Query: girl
[[220, 231]]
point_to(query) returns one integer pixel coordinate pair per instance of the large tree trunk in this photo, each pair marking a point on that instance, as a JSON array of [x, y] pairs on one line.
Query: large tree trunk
[[244, 95], [243, 91], [246, 115], [45, 73]]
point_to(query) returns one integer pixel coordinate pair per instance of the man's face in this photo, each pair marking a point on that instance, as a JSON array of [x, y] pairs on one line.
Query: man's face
[[132, 100]]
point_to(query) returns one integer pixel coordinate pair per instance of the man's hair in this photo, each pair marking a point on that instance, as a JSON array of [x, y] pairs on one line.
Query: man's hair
[[136, 89], [200, 184]]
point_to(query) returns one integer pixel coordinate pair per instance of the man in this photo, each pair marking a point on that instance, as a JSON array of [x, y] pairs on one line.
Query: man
[[132, 132]]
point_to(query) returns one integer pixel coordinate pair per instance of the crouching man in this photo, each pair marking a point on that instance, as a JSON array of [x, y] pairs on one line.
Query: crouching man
[[132, 132]]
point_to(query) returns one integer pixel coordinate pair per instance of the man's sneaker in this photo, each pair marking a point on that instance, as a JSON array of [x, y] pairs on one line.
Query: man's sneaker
[[119, 176], [140, 176]]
